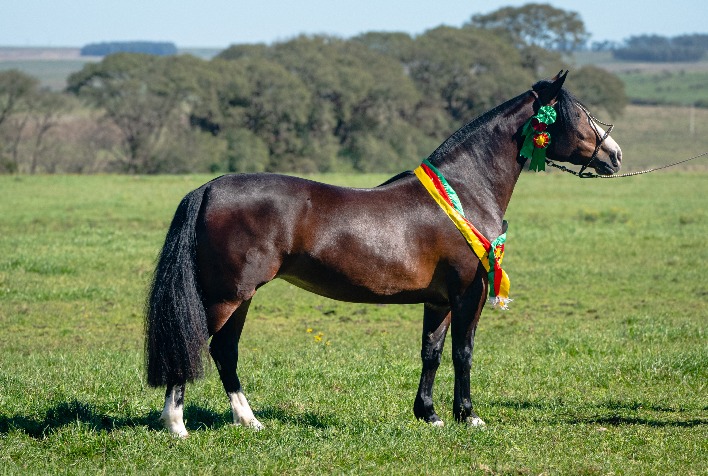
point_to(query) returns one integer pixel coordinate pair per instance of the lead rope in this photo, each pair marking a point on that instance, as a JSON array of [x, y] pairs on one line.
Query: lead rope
[[582, 174]]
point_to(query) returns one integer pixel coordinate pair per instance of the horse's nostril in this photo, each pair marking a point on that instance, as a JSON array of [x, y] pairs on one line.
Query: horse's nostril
[[616, 157]]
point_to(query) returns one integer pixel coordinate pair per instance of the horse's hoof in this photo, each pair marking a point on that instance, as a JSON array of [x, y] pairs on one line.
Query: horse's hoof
[[256, 425], [175, 429], [433, 420], [252, 423], [476, 422]]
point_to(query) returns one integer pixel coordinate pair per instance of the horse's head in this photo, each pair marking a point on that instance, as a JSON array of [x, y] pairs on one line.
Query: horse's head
[[577, 136]]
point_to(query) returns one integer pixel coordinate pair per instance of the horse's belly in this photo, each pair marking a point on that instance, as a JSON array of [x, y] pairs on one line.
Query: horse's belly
[[361, 278]]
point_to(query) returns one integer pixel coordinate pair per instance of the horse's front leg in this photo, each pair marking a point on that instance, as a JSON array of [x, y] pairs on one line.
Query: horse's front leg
[[466, 310], [436, 321]]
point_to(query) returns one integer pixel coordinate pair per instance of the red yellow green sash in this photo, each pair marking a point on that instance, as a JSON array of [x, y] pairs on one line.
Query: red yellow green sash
[[445, 196]]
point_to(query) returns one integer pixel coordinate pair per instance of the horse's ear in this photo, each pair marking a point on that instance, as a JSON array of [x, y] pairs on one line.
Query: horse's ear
[[548, 96]]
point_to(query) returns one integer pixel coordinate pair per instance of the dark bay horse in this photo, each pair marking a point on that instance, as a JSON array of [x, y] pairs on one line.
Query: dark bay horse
[[388, 244]]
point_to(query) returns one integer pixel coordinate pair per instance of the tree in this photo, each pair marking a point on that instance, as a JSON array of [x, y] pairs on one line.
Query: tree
[[15, 87], [258, 95], [274, 107], [397, 45], [354, 91], [48, 108], [541, 63], [660, 48], [599, 89], [144, 47], [16, 92], [537, 24], [141, 95], [466, 71]]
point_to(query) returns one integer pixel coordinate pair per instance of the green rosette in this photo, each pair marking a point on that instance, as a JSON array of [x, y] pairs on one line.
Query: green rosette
[[546, 115]]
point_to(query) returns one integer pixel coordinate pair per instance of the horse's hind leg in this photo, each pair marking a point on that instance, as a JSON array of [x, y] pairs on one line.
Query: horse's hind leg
[[224, 350], [435, 324], [171, 417]]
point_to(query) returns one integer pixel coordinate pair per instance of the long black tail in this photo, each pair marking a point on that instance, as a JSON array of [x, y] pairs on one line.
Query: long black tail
[[175, 322]]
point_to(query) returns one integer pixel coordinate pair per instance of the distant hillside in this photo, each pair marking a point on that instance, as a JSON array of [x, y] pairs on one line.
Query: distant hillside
[[13, 53], [53, 65], [672, 83]]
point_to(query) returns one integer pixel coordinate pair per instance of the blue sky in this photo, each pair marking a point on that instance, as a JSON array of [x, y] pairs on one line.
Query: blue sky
[[219, 23]]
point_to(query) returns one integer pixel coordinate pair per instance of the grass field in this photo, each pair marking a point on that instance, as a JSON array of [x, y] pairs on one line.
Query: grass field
[[599, 368], [670, 84], [51, 73], [652, 136], [666, 87]]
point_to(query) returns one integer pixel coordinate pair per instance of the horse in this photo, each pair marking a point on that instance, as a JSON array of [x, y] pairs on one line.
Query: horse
[[389, 244]]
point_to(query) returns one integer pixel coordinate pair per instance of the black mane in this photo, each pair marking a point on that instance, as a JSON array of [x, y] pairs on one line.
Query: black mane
[[567, 119], [462, 134]]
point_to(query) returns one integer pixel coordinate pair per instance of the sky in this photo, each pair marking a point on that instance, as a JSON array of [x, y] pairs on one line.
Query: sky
[[220, 23]]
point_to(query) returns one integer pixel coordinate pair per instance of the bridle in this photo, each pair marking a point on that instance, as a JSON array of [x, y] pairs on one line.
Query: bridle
[[593, 121]]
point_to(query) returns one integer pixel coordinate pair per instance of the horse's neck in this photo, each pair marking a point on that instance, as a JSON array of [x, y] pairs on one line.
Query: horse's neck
[[483, 168]]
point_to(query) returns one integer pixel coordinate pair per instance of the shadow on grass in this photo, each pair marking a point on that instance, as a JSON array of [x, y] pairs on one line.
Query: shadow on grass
[[609, 413], [617, 420], [196, 418], [67, 413]]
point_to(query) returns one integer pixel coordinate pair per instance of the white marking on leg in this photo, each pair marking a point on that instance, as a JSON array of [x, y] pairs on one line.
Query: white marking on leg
[[243, 415], [171, 417], [476, 422], [439, 423]]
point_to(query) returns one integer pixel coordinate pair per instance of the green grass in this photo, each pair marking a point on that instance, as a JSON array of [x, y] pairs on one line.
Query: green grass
[[652, 136], [657, 83], [667, 87], [599, 368]]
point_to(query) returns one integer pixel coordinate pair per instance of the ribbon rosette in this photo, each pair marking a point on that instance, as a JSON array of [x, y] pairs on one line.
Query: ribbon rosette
[[536, 138]]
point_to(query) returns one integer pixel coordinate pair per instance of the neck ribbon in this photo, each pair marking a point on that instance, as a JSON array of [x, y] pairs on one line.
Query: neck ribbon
[[489, 254]]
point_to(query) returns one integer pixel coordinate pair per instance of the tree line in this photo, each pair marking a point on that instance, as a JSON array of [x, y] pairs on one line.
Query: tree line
[[375, 102], [657, 48], [147, 47]]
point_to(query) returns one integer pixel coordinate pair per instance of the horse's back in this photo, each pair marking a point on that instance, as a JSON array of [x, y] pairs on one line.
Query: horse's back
[[348, 244]]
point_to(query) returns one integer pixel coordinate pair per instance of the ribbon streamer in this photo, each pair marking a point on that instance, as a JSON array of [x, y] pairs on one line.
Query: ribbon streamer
[[444, 195]]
